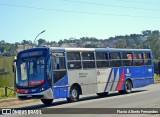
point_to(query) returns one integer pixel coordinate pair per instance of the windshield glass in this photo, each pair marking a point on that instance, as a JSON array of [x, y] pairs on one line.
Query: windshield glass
[[30, 71]]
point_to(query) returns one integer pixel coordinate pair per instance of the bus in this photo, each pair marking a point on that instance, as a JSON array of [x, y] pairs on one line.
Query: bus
[[49, 73]]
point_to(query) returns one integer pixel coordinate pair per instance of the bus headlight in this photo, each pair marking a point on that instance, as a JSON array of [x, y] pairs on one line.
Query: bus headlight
[[42, 89]]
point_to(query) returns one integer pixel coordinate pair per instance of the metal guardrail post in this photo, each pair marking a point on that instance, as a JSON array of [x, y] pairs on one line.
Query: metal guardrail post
[[5, 90]]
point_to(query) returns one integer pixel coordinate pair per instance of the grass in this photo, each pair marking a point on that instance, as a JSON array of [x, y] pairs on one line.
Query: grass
[[10, 93], [157, 77], [8, 79]]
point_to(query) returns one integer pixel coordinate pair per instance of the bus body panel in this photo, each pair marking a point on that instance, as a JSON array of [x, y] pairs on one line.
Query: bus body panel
[[61, 87], [85, 78], [115, 80], [102, 78], [142, 76]]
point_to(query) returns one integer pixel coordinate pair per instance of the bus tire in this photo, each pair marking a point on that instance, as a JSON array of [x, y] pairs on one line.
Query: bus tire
[[47, 101], [127, 88], [73, 94], [102, 94]]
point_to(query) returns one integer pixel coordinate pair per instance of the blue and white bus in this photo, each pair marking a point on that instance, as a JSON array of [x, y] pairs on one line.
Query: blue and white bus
[[48, 73]]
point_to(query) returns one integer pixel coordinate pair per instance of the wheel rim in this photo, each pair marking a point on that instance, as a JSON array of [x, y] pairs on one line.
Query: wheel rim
[[74, 93], [128, 86]]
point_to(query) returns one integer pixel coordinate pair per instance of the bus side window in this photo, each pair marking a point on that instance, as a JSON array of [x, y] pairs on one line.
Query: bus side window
[[57, 66], [127, 59], [138, 59], [74, 60], [58, 61], [102, 60], [88, 60], [115, 59], [147, 59]]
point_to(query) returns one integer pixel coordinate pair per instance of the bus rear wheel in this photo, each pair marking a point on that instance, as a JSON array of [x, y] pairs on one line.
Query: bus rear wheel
[[127, 88], [73, 94], [47, 101]]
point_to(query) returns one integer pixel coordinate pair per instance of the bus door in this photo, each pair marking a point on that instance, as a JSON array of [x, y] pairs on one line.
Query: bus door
[[60, 80], [50, 72]]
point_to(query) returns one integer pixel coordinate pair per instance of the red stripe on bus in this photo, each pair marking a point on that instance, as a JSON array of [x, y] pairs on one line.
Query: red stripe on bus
[[120, 81]]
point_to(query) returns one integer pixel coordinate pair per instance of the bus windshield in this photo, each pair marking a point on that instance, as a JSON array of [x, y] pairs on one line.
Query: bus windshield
[[30, 71]]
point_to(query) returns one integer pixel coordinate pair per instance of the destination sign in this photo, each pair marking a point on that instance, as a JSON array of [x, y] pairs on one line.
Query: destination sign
[[30, 54]]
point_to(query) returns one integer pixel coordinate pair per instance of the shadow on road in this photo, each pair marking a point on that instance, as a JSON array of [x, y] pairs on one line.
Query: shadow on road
[[54, 104]]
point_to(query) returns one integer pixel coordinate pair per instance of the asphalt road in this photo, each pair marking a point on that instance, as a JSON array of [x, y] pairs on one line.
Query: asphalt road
[[146, 97]]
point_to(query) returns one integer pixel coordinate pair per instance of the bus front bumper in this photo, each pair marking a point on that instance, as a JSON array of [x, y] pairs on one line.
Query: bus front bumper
[[47, 94]]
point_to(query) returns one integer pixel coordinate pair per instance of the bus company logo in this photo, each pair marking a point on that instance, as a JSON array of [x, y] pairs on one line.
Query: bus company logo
[[98, 73], [128, 74]]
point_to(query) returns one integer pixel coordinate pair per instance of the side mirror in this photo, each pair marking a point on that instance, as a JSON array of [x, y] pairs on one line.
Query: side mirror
[[15, 60], [14, 65]]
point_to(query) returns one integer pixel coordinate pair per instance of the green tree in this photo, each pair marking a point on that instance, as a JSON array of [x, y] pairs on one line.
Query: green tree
[[26, 42], [153, 42], [120, 44], [41, 41]]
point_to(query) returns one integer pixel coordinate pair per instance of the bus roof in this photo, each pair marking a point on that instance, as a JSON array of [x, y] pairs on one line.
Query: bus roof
[[62, 49], [99, 49]]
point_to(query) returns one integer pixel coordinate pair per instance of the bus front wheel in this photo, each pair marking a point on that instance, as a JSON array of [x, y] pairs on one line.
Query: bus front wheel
[[73, 94], [47, 101]]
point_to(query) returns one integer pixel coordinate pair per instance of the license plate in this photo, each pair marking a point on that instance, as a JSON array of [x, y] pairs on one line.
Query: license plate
[[29, 95]]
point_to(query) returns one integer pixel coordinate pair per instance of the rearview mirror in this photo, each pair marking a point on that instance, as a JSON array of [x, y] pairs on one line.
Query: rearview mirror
[[14, 65], [15, 60]]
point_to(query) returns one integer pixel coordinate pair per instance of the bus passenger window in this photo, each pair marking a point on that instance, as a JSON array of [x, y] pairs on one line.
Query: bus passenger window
[[115, 59], [74, 60], [138, 59], [102, 60], [88, 60], [74, 65], [127, 59], [87, 55], [147, 59]]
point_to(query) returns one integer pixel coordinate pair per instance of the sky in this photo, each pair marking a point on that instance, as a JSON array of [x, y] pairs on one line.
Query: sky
[[64, 19]]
